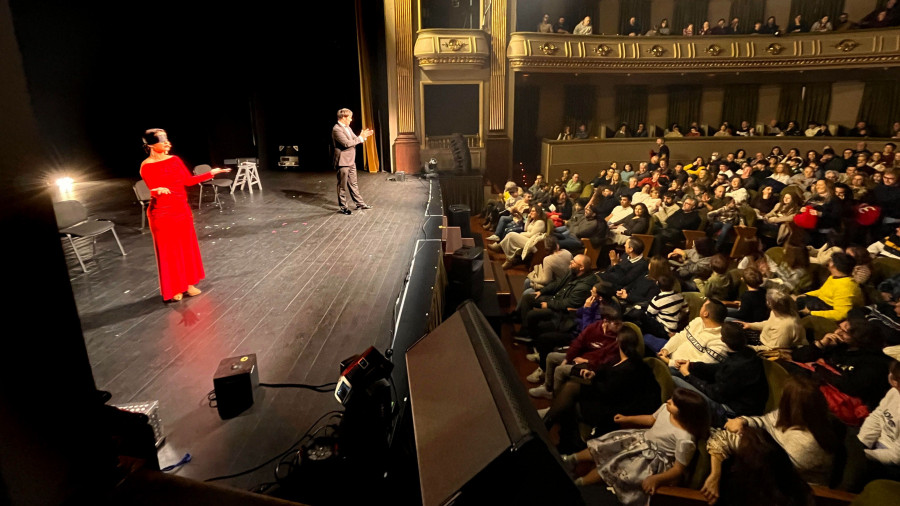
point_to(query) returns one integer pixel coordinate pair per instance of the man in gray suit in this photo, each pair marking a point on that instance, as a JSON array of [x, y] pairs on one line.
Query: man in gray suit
[[345, 160]]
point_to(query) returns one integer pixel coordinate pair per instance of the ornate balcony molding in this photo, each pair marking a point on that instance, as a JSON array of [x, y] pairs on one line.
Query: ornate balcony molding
[[542, 52], [452, 49]]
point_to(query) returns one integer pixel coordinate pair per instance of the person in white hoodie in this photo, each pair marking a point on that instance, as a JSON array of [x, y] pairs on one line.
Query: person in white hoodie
[[701, 340], [880, 432]]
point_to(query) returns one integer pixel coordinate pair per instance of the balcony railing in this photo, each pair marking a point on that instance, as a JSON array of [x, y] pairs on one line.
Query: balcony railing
[[452, 49], [543, 52]]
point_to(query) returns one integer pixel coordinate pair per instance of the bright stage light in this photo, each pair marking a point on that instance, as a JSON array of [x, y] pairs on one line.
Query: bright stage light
[[65, 184]]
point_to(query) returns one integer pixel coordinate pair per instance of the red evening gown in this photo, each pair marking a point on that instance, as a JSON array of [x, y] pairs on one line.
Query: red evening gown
[[172, 225]]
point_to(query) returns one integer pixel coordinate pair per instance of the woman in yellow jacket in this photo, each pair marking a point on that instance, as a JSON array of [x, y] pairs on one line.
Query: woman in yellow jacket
[[837, 295], [693, 168]]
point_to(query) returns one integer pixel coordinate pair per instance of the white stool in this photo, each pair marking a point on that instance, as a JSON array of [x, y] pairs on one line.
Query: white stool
[[247, 174]]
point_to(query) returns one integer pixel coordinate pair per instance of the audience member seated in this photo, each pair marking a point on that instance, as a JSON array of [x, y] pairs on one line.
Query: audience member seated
[[879, 436], [636, 296], [887, 196], [782, 331], [722, 220], [719, 285], [560, 26], [693, 262], [664, 28], [584, 27], [514, 219], [493, 208], [582, 225], [574, 186], [843, 23], [752, 304], [633, 28], [594, 346], [622, 272], [638, 222], [736, 386], [837, 296], [888, 247], [700, 341], [547, 310], [758, 471], [562, 206], [799, 426], [554, 266], [797, 25], [635, 462], [515, 245], [663, 313], [565, 135], [545, 26], [582, 132], [851, 360]]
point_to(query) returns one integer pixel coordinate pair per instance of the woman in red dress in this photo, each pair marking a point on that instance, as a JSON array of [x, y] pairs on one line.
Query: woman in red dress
[[170, 218]]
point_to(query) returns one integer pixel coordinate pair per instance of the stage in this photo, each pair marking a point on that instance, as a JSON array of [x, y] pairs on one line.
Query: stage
[[287, 278]]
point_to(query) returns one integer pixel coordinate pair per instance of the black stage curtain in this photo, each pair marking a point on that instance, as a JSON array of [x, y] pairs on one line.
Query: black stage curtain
[[580, 106], [813, 10], [804, 102], [880, 106], [687, 12], [639, 9], [631, 106], [684, 106], [527, 141], [748, 12], [741, 103]]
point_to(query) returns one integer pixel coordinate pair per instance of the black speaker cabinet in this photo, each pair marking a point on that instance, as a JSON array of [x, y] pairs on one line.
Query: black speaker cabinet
[[235, 380], [465, 276], [478, 437], [458, 216]]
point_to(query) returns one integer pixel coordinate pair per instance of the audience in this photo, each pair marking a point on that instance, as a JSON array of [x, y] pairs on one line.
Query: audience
[[837, 332]]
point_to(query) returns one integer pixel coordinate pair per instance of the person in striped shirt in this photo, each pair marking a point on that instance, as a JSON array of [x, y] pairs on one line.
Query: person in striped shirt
[[664, 310]]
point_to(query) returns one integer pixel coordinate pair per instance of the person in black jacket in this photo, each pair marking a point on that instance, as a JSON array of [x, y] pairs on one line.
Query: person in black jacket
[[548, 309], [734, 387], [623, 272], [854, 351], [627, 387], [752, 307], [686, 218]]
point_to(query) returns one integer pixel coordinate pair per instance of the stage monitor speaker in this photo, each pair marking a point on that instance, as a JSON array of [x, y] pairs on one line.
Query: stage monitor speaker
[[478, 437], [465, 276], [458, 216], [235, 380]]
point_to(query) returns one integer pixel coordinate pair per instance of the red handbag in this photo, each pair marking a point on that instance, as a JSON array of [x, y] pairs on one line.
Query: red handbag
[[804, 219], [866, 214], [845, 407]]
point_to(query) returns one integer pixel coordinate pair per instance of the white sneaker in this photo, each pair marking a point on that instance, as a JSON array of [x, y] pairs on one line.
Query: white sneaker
[[543, 412], [537, 376], [493, 238], [533, 357], [540, 392]]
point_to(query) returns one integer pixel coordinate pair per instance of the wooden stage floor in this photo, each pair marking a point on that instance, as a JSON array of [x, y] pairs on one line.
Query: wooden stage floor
[[288, 278]]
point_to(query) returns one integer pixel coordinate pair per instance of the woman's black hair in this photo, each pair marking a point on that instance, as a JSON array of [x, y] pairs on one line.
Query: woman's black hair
[[629, 343], [693, 412]]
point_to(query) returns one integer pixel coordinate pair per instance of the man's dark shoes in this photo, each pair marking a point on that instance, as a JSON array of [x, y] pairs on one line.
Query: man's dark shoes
[[364, 206], [344, 210]]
